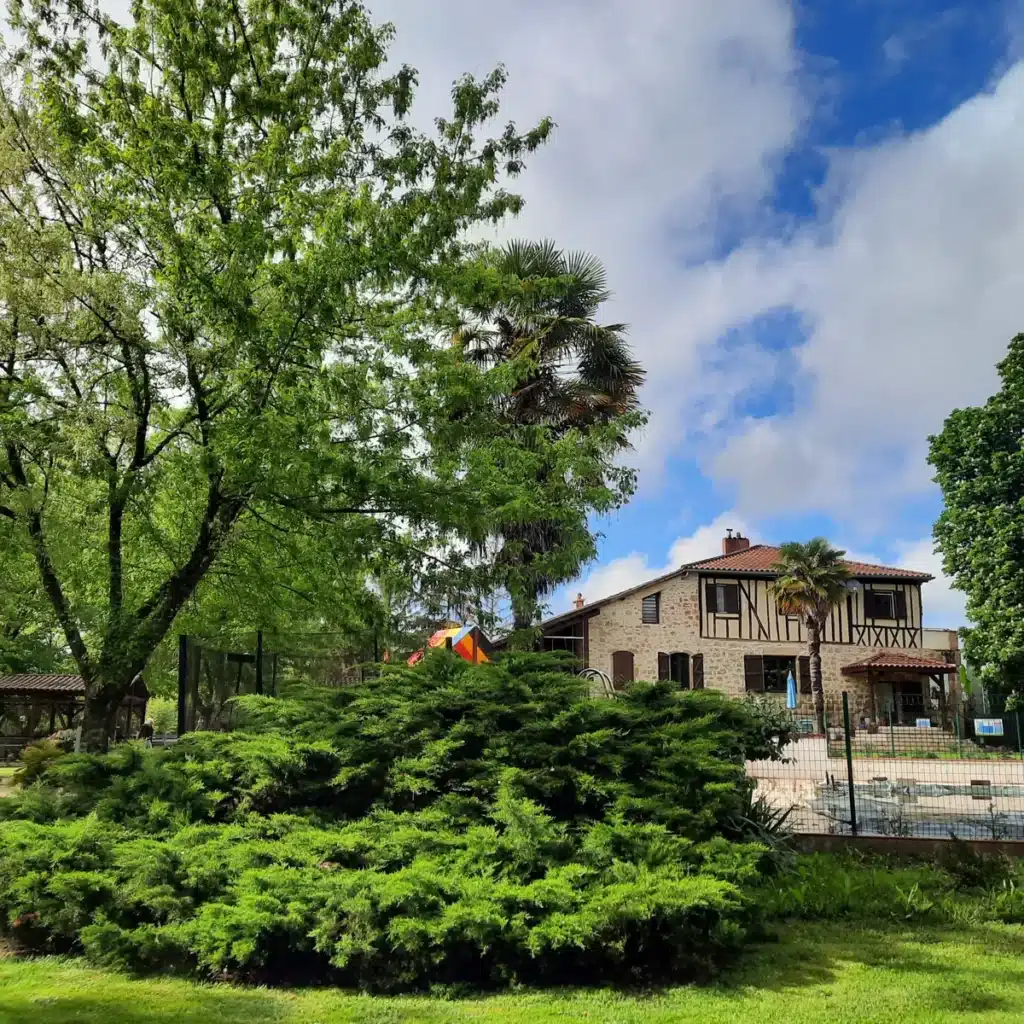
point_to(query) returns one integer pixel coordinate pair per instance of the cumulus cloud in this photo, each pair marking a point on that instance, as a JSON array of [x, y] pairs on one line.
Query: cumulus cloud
[[669, 123], [635, 568], [911, 300], [944, 607]]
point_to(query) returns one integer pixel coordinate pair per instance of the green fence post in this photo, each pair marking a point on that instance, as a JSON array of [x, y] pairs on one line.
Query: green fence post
[[849, 763], [1020, 747], [892, 735], [959, 733]]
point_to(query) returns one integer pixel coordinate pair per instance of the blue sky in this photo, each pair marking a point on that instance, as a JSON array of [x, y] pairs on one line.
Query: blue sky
[[811, 218]]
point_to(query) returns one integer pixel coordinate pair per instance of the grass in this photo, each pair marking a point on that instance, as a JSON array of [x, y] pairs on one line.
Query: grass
[[7, 770], [815, 972]]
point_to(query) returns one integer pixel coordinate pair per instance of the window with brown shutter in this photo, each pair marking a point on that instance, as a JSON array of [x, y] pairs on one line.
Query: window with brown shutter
[[650, 610], [804, 666], [711, 597], [663, 667], [901, 605], [753, 673], [776, 671], [697, 662], [679, 669], [622, 669], [879, 604]]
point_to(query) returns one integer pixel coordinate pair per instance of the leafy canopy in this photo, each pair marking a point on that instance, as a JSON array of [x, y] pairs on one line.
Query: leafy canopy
[[979, 465], [228, 270], [811, 579]]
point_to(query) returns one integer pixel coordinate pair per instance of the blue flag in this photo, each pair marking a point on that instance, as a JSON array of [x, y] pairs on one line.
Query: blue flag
[[790, 691]]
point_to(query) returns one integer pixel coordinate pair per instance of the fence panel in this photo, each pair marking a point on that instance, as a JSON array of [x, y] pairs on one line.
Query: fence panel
[[965, 781]]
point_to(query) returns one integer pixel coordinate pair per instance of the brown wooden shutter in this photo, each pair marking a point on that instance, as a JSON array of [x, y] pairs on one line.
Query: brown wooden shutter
[[711, 597], [732, 599], [869, 604], [697, 661], [900, 603], [753, 672], [663, 667], [622, 669], [804, 673]]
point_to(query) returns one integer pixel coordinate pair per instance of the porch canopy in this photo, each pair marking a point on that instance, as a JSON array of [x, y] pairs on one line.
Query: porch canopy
[[887, 665]]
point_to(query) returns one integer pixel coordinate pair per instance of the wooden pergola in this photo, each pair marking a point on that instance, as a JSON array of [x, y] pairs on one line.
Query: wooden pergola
[[35, 705], [880, 668]]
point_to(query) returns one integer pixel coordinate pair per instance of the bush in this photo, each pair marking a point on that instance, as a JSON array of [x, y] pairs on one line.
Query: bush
[[444, 824], [36, 758], [164, 714]]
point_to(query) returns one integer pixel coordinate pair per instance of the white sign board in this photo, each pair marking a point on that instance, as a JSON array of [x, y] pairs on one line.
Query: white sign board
[[924, 723], [988, 727]]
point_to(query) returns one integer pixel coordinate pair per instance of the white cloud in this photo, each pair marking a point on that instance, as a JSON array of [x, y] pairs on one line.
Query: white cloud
[[633, 569], [669, 119], [943, 606], [911, 299]]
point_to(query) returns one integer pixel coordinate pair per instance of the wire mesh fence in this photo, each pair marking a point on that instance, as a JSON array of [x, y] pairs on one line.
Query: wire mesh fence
[[214, 670], [962, 779]]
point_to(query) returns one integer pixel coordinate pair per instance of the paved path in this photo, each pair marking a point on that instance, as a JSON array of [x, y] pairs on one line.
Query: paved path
[[808, 759]]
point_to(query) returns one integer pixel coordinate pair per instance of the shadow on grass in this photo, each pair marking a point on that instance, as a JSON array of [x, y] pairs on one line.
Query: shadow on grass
[[956, 969]]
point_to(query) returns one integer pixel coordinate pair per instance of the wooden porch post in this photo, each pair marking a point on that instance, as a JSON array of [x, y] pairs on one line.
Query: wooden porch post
[[943, 703]]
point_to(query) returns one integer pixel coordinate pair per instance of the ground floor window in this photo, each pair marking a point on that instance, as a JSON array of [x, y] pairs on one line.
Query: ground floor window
[[776, 673], [770, 673], [675, 668]]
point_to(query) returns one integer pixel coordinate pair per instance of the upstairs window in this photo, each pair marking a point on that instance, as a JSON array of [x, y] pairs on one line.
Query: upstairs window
[[885, 604], [722, 598], [650, 611]]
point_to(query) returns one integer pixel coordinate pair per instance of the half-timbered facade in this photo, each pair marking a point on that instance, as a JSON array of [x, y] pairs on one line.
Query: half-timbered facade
[[714, 624]]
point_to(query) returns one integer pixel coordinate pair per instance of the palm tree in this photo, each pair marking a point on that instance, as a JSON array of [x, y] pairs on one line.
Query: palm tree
[[811, 581], [576, 374]]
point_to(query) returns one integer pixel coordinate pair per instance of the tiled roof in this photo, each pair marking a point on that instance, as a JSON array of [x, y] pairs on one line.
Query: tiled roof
[[30, 682], [759, 558], [898, 660]]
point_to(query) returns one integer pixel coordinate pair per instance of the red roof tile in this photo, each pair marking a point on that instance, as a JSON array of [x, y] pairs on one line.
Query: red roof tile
[[898, 660], [31, 682], [759, 558]]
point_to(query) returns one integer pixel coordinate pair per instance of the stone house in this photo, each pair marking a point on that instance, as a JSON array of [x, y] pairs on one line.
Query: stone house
[[713, 624]]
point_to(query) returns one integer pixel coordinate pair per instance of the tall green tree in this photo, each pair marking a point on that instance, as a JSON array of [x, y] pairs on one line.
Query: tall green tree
[[979, 465], [226, 262], [570, 374], [811, 581]]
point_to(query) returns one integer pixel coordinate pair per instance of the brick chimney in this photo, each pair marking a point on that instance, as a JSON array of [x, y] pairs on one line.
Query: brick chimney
[[731, 543], [579, 602]]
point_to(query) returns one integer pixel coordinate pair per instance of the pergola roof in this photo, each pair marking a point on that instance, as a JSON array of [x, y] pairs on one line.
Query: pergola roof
[[32, 682], [898, 661], [58, 685]]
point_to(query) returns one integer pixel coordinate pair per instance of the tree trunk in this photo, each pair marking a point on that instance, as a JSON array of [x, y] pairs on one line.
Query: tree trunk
[[101, 707], [817, 689]]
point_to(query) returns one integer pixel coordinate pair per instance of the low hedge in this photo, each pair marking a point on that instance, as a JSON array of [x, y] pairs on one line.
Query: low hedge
[[444, 824]]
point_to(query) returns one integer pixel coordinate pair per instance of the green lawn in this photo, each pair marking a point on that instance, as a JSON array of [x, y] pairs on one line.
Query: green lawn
[[820, 972]]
